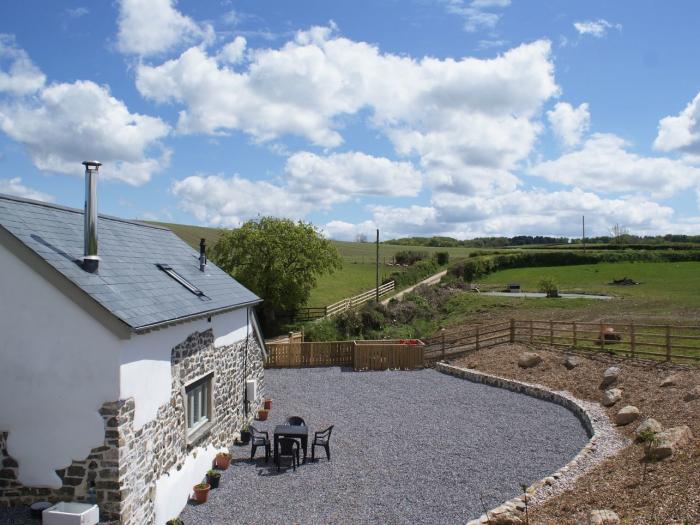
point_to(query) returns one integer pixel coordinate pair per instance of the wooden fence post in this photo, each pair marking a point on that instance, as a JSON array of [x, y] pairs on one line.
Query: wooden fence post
[[632, 339], [443, 343], [668, 342], [477, 339], [601, 337], [551, 332], [575, 338], [512, 330], [531, 331]]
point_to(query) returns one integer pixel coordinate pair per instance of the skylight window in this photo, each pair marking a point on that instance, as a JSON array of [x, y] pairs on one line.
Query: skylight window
[[179, 278]]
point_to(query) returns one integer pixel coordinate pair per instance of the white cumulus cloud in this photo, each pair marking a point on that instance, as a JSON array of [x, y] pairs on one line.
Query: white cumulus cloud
[[682, 132], [470, 121], [64, 124], [151, 27], [477, 14], [568, 123], [310, 182], [18, 74], [228, 201], [15, 187], [597, 28], [604, 164], [341, 176]]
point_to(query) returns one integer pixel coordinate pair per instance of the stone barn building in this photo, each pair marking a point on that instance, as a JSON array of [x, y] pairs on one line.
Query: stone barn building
[[123, 368]]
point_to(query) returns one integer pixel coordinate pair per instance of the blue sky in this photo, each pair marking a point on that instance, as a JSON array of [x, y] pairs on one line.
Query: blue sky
[[450, 117]]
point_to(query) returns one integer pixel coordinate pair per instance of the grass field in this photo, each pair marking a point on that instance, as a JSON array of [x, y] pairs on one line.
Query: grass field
[[357, 274], [663, 284]]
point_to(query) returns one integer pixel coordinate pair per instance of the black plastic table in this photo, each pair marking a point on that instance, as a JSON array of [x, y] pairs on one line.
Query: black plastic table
[[300, 432]]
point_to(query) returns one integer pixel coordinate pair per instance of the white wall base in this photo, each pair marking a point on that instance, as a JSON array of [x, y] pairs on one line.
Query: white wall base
[[174, 488]]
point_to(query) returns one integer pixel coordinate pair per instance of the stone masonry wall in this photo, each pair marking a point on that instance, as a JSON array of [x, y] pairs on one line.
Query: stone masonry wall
[[160, 445], [124, 469], [99, 471]]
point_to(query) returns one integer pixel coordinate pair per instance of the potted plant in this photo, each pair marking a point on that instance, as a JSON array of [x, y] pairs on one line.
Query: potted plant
[[267, 403], [222, 460], [213, 478], [245, 435], [201, 492], [176, 521], [262, 414]]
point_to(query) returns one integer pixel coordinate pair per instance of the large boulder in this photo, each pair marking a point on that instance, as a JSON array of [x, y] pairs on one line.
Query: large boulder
[[611, 396], [672, 380], [669, 441], [693, 394], [648, 425], [626, 415], [529, 360], [571, 362], [610, 377]]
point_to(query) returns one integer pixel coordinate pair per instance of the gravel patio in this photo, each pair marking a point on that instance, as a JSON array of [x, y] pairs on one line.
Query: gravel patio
[[408, 447]]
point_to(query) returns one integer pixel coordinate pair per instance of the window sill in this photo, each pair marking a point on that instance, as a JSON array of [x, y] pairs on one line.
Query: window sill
[[199, 434]]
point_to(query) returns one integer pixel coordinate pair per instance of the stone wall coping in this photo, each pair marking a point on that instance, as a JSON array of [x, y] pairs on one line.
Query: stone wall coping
[[604, 440]]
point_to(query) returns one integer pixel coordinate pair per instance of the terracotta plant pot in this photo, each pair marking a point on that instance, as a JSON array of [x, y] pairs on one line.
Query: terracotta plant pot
[[222, 460], [201, 492], [267, 404], [262, 415]]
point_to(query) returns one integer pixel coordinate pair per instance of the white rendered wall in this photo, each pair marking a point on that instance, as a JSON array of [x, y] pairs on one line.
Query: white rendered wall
[[174, 488], [57, 367], [145, 360]]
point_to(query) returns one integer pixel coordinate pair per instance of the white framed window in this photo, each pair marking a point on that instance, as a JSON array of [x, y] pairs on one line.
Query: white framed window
[[198, 406]]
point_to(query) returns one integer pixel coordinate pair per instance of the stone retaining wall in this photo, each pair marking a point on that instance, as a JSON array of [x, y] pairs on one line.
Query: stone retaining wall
[[604, 440], [123, 470]]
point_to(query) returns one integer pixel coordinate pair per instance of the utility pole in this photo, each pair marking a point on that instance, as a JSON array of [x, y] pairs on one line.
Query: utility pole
[[377, 289], [583, 232]]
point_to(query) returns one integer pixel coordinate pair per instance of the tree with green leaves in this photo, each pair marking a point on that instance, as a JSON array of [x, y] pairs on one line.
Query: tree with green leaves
[[278, 259]]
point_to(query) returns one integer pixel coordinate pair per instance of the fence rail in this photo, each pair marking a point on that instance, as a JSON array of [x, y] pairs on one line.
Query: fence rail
[[666, 342], [361, 355], [351, 302]]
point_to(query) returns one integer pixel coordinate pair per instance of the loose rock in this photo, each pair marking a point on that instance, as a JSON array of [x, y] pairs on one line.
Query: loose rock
[[571, 362], [626, 415], [612, 396], [529, 360], [505, 517], [669, 441], [648, 425], [602, 517], [610, 377], [672, 380], [693, 394]]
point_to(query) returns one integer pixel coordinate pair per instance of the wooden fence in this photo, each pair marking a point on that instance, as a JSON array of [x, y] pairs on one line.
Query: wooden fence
[[677, 343], [305, 314], [351, 302], [461, 342], [361, 355], [656, 341]]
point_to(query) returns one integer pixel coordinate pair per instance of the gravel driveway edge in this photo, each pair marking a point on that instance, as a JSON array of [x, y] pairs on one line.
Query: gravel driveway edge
[[604, 440]]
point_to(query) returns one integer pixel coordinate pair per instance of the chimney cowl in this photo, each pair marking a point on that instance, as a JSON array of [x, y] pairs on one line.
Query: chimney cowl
[[91, 260]]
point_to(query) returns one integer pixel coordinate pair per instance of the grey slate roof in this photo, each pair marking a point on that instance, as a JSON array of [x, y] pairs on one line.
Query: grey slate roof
[[129, 284]]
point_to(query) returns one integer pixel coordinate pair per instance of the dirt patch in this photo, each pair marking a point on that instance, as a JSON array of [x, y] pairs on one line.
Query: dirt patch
[[670, 491]]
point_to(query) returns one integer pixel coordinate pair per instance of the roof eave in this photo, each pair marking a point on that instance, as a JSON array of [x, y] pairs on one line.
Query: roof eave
[[140, 330]]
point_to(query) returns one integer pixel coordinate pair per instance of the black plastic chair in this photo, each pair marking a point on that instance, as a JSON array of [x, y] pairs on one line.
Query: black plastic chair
[[288, 447], [259, 438], [322, 439], [296, 421]]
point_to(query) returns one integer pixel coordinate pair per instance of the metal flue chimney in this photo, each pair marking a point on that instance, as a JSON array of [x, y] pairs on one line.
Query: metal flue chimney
[[91, 261]]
